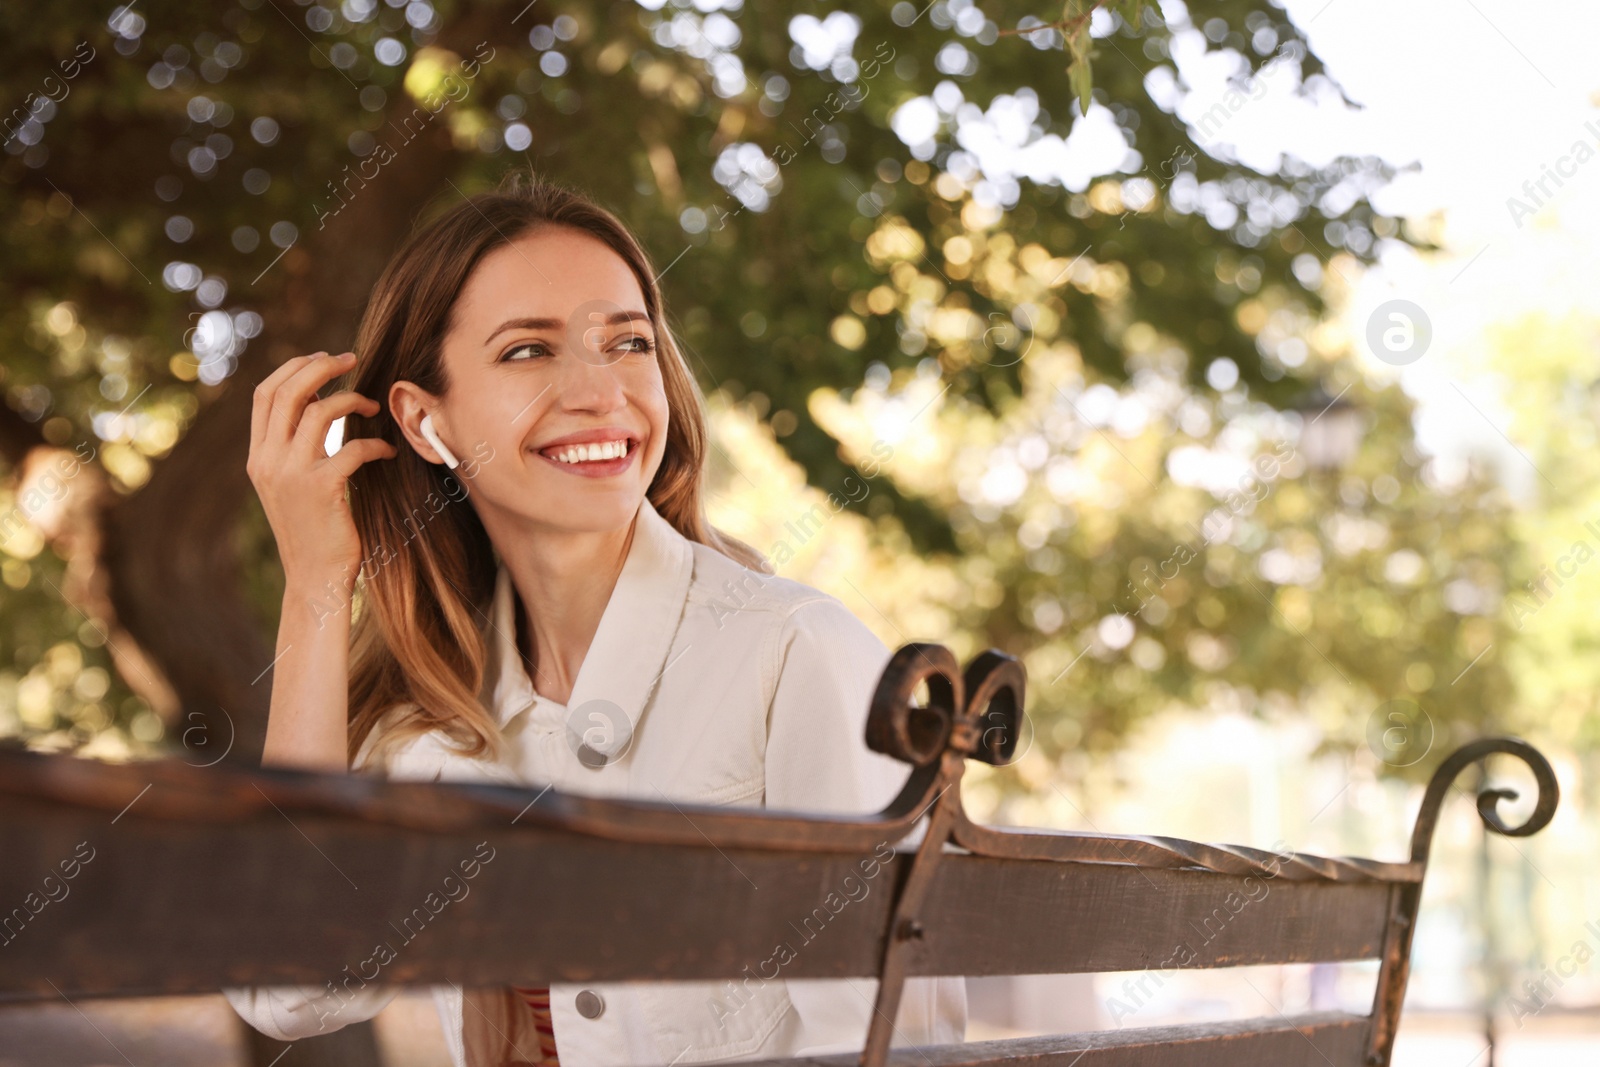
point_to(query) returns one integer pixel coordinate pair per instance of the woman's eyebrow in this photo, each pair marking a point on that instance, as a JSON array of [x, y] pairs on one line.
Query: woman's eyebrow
[[613, 319]]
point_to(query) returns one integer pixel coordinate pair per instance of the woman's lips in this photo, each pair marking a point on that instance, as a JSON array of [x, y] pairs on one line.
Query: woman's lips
[[596, 468]]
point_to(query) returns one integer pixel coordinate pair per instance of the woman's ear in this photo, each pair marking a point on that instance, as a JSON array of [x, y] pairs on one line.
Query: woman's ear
[[432, 436], [408, 404]]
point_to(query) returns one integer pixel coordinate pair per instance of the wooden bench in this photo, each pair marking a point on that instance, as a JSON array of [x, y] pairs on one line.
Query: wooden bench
[[204, 878]]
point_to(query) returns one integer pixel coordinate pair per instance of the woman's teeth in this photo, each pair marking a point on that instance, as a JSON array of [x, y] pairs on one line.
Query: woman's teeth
[[599, 450]]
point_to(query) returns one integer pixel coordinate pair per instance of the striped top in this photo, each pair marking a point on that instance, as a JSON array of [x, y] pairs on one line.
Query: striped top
[[538, 1000]]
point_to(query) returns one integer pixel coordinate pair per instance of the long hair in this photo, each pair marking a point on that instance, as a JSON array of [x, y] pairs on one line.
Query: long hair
[[428, 569]]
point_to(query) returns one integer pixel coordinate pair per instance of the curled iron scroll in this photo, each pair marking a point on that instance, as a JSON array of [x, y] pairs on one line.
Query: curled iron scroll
[[978, 712], [995, 684], [899, 727], [1488, 800]]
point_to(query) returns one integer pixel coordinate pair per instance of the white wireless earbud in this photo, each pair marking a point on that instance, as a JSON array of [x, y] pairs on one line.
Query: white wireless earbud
[[439, 446]]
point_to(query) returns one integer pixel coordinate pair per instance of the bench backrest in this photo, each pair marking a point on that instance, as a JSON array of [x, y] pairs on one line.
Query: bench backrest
[[163, 878]]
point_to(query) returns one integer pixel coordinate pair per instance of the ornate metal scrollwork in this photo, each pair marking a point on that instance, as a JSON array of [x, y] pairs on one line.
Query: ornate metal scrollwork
[[914, 733], [1488, 800], [1395, 967], [977, 712], [995, 684]]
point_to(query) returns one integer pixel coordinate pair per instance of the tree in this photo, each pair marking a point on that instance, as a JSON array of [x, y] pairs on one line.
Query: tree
[[268, 163], [194, 193], [791, 172]]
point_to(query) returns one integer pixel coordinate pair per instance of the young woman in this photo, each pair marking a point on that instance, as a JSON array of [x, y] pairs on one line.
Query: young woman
[[523, 588]]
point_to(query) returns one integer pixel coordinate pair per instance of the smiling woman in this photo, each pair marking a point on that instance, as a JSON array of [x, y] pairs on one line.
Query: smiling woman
[[564, 626]]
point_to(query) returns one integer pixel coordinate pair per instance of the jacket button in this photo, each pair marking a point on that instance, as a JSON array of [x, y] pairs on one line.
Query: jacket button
[[590, 1004]]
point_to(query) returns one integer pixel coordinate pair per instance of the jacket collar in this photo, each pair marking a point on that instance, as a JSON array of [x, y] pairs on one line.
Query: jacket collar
[[629, 652]]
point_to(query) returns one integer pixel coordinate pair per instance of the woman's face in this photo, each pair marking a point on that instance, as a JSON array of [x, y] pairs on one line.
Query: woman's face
[[555, 404]]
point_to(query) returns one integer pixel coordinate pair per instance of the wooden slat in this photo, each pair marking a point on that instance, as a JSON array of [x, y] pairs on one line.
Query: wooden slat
[[171, 789], [229, 793], [1319, 1039], [167, 906], [174, 905], [1080, 917]]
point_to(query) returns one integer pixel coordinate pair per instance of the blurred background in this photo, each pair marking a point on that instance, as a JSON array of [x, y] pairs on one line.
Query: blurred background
[[1233, 364]]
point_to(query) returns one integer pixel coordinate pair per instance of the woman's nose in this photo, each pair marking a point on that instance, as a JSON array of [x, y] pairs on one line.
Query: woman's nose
[[588, 385]]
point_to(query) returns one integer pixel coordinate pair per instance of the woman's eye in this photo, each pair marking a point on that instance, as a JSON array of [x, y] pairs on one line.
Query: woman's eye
[[535, 347], [641, 344]]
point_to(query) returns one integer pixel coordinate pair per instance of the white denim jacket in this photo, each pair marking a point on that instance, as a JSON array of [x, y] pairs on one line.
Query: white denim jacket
[[730, 687]]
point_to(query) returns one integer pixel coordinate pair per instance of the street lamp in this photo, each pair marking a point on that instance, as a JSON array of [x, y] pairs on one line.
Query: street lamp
[[1331, 430]]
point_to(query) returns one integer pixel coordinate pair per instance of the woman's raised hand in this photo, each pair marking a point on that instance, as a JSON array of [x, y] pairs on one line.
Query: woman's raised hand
[[300, 485]]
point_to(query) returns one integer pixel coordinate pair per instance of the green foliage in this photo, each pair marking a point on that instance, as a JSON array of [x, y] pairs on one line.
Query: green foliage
[[837, 261]]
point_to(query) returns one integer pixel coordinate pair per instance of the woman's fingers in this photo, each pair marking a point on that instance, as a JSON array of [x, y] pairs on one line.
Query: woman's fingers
[[320, 415], [360, 450], [291, 397], [261, 406], [302, 488]]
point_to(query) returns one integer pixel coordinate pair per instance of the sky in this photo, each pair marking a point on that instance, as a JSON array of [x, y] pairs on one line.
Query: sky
[[1473, 102], [1477, 99]]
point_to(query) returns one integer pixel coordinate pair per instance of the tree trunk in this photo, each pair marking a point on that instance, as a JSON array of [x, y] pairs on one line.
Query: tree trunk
[[175, 570]]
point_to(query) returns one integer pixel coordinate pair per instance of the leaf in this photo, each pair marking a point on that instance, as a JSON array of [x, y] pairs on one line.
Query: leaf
[[1132, 11], [1082, 81]]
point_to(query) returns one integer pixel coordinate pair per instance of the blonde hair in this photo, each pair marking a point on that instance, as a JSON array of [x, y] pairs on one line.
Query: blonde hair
[[416, 647]]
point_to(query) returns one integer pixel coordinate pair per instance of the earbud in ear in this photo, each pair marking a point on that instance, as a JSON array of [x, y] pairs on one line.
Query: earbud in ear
[[439, 446]]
